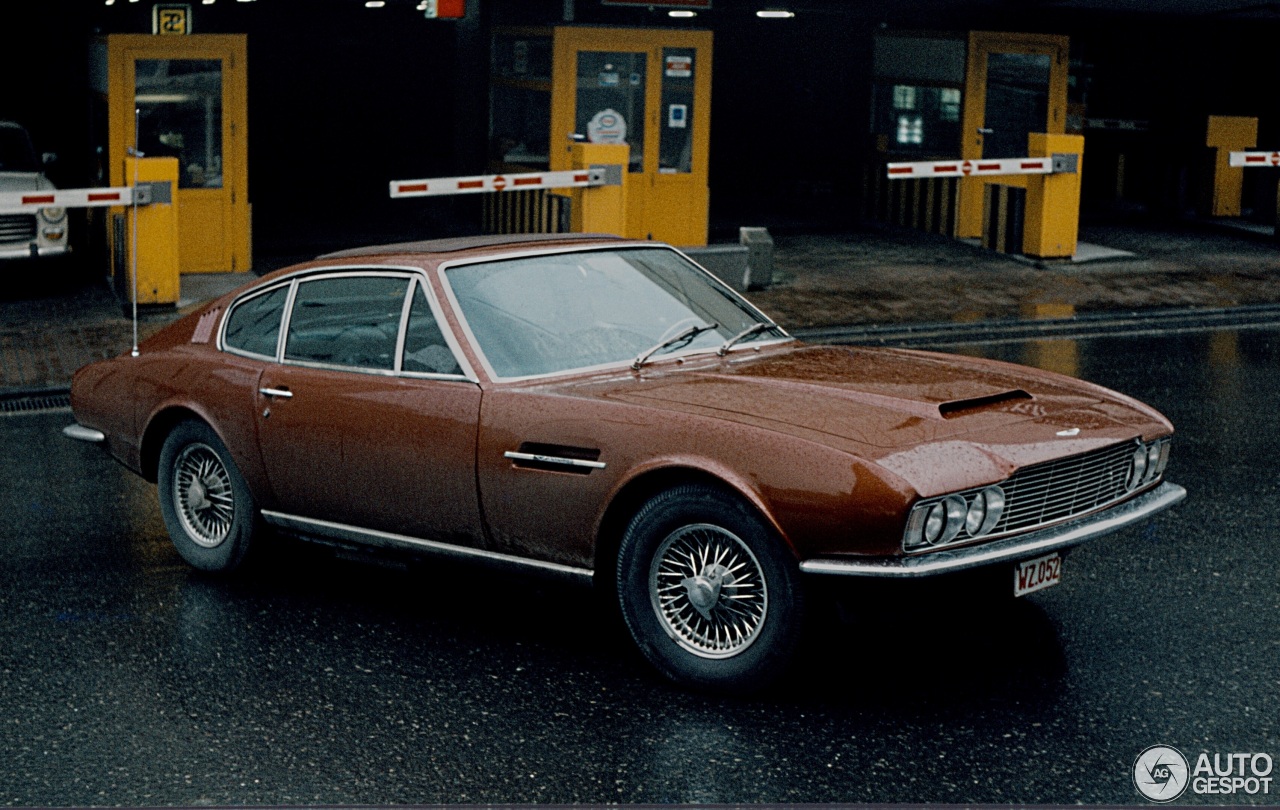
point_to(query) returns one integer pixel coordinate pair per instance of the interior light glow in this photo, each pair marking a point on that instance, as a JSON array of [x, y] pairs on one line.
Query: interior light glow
[[682, 14], [775, 14]]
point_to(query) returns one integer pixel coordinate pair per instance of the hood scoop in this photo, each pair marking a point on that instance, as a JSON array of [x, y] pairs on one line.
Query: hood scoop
[[964, 407]]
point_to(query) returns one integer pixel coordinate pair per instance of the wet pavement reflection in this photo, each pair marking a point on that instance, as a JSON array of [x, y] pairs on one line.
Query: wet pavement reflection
[[130, 679]]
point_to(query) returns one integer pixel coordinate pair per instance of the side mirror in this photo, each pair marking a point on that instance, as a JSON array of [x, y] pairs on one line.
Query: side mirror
[[49, 157]]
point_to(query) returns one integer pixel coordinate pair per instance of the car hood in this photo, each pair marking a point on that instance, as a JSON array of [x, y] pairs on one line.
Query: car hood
[[882, 403], [24, 181]]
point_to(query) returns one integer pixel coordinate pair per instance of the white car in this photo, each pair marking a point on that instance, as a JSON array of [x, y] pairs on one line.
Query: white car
[[25, 235]]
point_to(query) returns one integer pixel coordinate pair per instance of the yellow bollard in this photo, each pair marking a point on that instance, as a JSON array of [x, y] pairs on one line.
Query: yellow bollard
[[600, 209], [156, 234], [1227, 134], [1052, 224]]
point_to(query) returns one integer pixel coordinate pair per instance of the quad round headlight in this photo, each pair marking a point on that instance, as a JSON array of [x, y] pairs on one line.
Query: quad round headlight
[[984, 511], [1138, 468], [53, 213], [1153, 461], [940, 522]]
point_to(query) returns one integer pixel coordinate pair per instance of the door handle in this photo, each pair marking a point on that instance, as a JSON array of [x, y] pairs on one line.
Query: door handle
[[282, 393]]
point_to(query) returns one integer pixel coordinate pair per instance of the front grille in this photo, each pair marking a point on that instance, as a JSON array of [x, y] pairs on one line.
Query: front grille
[[1070, 486], [1037, 496], [17, 227]]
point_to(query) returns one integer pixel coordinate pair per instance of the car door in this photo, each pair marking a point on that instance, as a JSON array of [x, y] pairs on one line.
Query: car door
[[368, 422]]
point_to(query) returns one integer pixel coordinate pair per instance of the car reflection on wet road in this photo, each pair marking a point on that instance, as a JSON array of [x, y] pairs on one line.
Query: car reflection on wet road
[[130, 679]]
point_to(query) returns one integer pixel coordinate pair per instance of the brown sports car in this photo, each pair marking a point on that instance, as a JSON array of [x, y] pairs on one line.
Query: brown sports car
[[606, 409]]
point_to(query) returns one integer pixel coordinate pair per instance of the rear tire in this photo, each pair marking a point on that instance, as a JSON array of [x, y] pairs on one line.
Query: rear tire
[[711, 596], [206, 504]]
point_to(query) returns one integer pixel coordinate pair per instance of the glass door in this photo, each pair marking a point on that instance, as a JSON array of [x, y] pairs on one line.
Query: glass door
[[1015, 84], [188, 96], [649, 89]]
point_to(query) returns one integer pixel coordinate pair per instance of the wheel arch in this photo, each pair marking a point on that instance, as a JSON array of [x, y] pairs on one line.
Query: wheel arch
[[158, 428], [642, 488]]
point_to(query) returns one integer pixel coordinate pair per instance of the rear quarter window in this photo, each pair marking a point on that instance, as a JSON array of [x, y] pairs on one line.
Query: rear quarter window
[[253, 326]]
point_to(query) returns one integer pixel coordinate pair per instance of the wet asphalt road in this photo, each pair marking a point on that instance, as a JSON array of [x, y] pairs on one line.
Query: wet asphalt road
[[127, 678]]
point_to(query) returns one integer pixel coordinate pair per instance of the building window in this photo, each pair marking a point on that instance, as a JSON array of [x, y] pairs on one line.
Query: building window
[[904, 97], [910, 129]]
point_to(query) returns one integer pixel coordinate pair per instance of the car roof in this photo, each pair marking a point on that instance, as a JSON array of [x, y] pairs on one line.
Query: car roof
[[457, 244]]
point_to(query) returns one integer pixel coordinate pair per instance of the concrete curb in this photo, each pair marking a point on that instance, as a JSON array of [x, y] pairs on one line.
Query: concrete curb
[[1138, 322]]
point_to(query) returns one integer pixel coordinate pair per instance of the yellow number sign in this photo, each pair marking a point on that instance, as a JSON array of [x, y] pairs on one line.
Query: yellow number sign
[[171, 19]]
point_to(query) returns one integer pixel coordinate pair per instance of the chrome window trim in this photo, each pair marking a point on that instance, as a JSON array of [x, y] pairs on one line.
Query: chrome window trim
[[443, 268], [416, 275]]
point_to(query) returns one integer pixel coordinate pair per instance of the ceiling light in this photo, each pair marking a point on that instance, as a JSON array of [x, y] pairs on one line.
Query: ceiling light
[[207, 2], [682, 13], [375, 3], [775, 14], [111, 2]]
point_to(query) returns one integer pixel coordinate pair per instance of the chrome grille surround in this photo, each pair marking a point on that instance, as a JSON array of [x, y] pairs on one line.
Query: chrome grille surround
[[17, 227], [1058, 490]]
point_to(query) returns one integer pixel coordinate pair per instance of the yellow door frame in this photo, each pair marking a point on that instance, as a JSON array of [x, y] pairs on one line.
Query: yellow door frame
[[213, 224], [668, 207], [973, 119]]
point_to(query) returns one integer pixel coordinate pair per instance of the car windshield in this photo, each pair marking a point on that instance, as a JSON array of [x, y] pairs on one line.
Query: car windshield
[[16, 154], [558, 312]]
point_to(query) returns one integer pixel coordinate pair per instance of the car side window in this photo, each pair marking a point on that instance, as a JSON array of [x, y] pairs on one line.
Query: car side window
[[253, 327], [425, 349], [347, 321]]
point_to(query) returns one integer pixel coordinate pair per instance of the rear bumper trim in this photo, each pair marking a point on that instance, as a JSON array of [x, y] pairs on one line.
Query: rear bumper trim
[[1018, 547], [84, 434]]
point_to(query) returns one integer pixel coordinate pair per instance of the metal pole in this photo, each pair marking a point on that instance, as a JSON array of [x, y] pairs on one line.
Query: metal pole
[[137, 121]]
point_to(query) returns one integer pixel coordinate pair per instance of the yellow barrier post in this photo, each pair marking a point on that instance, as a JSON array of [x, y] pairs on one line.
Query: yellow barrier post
[[156, 236], [1052, 224], [1227, 134], [600, 209]]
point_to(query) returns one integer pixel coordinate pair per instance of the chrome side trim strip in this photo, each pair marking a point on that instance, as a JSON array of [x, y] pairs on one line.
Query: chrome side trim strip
[[1012, 548], [566, 462], [81, 433], [371, 537]]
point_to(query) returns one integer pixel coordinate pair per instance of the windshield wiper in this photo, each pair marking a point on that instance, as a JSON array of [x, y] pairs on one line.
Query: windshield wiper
[[751, 331], [683, 337]]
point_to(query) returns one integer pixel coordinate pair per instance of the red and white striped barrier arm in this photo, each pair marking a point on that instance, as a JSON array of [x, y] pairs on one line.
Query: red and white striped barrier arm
[[28, 202], [482, 183], [970, 168], [1255, 159]]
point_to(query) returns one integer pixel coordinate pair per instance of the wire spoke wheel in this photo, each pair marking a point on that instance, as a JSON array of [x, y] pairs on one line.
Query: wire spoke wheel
[[708, 590], [203, 495]]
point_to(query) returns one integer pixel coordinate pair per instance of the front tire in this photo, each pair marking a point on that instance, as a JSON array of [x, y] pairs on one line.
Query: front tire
[[206, 504], [710, 594]]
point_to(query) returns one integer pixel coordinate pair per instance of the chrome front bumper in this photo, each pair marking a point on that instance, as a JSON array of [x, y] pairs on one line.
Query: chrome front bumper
[[1032, 544]]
